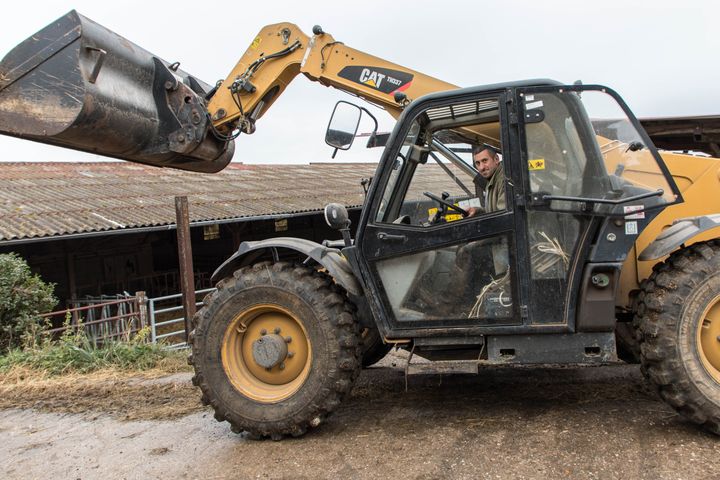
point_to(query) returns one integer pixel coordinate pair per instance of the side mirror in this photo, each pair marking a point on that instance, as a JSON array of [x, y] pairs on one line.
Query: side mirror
[[343, 125], [336, 216]]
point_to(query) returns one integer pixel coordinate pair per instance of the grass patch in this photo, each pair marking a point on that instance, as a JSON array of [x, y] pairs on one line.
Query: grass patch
[[75, 353], [62, 358]]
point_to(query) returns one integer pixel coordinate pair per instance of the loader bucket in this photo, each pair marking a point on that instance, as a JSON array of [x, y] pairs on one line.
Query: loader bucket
[[78, 85]]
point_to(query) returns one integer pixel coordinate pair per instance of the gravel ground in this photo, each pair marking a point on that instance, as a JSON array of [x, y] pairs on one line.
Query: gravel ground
[[601, 422]]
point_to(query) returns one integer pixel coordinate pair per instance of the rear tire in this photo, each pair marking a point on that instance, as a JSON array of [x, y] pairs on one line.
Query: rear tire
[[628, 348], [679, 332], [627, 333], [305, 314]]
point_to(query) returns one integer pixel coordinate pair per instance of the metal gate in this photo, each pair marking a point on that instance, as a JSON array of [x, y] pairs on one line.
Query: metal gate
[[167, 321]]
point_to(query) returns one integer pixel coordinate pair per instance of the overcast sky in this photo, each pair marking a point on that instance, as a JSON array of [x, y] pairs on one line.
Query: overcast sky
[[661, 56]]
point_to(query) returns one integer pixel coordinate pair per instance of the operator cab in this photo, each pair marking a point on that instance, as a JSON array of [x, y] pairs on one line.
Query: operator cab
[[579, 180]]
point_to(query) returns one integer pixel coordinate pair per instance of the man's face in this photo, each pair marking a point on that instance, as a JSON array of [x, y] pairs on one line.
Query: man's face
[[486, 162]]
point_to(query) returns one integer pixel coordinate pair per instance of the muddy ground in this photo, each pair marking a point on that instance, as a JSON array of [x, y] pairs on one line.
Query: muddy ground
[[601, 422]]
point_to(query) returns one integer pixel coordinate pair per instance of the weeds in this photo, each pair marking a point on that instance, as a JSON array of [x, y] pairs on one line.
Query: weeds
[[74, 352]]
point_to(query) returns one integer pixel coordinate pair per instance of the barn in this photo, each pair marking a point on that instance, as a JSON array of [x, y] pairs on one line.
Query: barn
[[104, 228]]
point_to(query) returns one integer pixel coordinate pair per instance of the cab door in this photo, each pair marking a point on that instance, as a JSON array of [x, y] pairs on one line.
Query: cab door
[[593, 180], [430, 264]]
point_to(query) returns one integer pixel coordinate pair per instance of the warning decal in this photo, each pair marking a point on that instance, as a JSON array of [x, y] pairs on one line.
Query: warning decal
[[629, 209], [536, 164]]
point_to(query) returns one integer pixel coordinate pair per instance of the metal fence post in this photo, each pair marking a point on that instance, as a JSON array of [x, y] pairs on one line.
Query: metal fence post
[[153, 327]]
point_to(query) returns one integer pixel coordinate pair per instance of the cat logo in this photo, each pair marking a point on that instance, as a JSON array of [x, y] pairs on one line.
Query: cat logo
[[371, 78], [385, 80]]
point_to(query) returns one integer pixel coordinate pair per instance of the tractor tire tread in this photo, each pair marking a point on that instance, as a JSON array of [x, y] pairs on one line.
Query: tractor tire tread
[[660, 307], [318, 290]]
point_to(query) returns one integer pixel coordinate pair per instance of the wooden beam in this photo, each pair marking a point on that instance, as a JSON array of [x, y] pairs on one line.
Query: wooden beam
[[187, 280]]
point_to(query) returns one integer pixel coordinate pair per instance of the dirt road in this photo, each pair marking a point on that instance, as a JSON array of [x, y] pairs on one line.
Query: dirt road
[[503, 423]]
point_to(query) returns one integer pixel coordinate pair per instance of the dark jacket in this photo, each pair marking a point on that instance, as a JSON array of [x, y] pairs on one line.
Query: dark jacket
[[491, 192], [495, 199]]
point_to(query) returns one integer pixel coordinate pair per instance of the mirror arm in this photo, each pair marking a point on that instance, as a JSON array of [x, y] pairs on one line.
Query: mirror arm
[[371, 116], [373, 136]]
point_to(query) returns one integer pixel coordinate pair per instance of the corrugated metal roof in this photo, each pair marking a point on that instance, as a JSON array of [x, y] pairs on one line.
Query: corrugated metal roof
[[51, 199]]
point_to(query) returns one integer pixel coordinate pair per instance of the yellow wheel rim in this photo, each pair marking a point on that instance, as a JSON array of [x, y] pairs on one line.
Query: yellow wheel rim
[[243, 367], [708, 338]]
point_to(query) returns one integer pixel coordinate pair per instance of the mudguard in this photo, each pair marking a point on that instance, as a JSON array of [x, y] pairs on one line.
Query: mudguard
[[679, 233], [330, 258]]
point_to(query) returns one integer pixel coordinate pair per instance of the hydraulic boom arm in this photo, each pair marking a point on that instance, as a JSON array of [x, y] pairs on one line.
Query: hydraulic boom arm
[[78, 85], [281, 51]]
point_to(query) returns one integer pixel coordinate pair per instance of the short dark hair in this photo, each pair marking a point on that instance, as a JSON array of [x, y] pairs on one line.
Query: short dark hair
[[479, 148]]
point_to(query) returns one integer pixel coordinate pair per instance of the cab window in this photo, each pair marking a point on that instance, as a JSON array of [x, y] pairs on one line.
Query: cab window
[[449, 167]]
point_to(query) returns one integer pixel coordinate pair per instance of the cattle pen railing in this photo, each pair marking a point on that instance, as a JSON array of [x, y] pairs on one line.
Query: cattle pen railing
[[122, 317]]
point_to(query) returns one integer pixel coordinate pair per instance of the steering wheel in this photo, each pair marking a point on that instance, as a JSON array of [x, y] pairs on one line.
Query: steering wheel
[[449, 205]]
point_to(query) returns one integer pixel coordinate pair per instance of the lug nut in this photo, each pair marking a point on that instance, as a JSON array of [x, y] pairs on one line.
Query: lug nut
[[263, 332], [277, 330], [290, 354], [288, 339], [282, 366]]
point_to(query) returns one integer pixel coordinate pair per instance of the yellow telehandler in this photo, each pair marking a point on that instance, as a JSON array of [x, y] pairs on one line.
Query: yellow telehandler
[[597, 232]]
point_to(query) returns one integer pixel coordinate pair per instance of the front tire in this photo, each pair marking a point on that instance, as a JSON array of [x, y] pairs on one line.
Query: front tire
[[372, 346], [275, 349], [680, 332]]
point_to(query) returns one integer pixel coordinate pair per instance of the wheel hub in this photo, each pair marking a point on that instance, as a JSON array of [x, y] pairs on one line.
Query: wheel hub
[[708, 337], [266, 353], [269, 350]]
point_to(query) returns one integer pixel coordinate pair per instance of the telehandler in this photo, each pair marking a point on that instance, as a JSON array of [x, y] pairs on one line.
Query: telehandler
[[594, 237]]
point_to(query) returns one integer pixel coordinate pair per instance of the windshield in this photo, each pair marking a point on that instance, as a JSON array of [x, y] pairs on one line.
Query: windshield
[[623, 150], [582, 144]]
